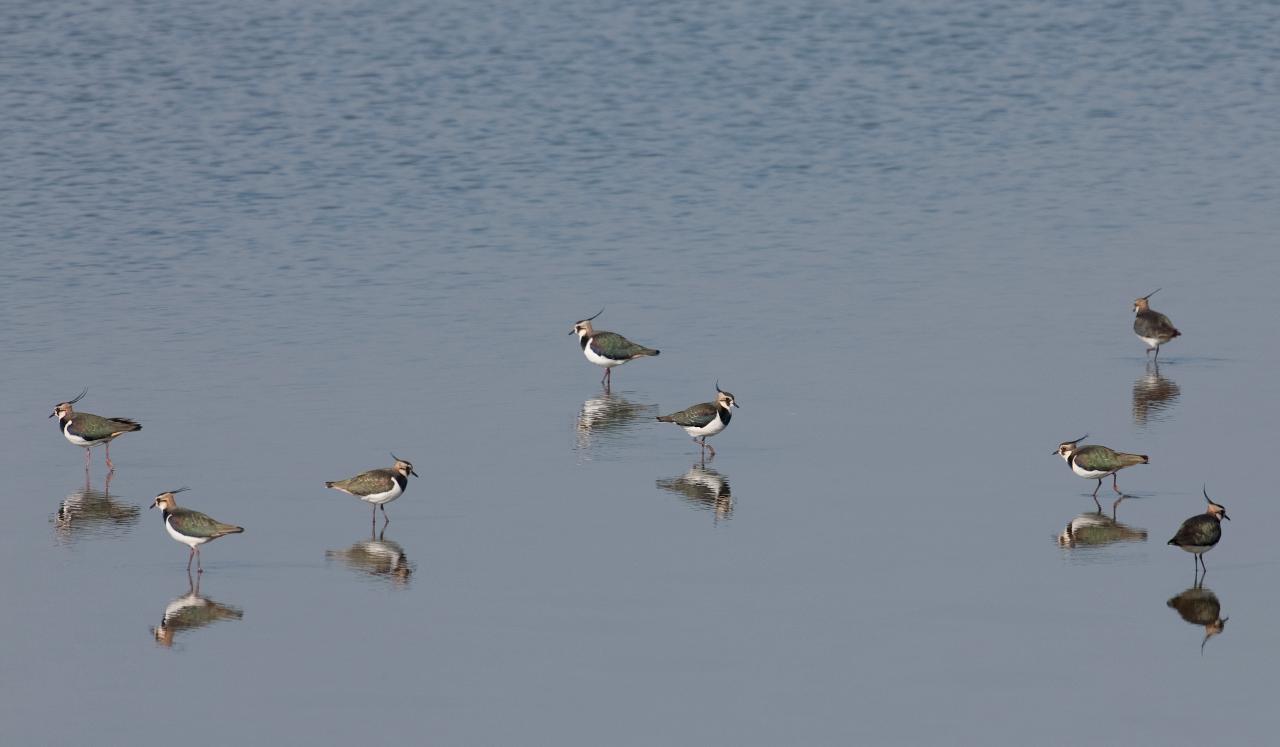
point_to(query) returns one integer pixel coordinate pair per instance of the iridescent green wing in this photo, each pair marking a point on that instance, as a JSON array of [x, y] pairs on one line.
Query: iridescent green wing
[[1153, 324], [696, 416], [615, 346], [1198, 531], [369, 483], [1097, 458], [95, 428], [195, 524]]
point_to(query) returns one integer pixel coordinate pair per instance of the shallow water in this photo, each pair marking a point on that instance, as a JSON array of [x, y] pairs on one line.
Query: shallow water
[[290, 239]]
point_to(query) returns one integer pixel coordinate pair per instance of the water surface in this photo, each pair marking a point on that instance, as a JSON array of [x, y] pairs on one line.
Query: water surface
[[293, 238]]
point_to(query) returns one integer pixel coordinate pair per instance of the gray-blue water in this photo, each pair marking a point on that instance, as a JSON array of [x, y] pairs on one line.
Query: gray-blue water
[[292, 237]]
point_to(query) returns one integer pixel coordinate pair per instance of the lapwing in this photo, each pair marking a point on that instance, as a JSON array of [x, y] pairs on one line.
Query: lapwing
[[1200, 533], [1200, 606], [191, 611], [607, 349], [1094, 462], [88, 431], [191, 528], [706, 419], [1151, 326], [377, 486]]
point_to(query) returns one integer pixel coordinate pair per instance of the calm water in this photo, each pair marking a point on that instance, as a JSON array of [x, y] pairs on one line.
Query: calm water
[[290, 238]]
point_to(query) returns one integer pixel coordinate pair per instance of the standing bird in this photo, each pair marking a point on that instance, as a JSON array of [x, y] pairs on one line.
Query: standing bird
[[1095, 462], [1151, 326], [377, 486], [88, 431], [607, 349], [191, 528], [706, 419], [1200, 533]]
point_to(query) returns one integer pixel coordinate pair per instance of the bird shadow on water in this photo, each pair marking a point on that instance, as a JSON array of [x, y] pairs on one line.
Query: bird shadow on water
[[87, 512], [378, 558], [1095, 529], [704, 488], [191, 611], [1153, 396], [604, 419], [1200, 607]]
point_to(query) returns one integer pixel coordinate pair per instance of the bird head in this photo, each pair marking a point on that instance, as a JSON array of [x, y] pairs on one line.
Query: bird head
[[1141, 304], [64, 408], [403, 466], [1067, 448], [1216, 510], [166, 501], [723, 398], [582, 327]]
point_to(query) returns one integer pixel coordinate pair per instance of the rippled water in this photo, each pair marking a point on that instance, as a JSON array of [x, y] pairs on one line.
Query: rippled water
[[293, 238]]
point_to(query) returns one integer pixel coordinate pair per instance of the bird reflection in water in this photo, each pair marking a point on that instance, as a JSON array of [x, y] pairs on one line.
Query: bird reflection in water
[[1153, 396], [378, 557], [703, 487], [190, 612], [1200, 606], [1095, 529], [605, 417], [89, 512]]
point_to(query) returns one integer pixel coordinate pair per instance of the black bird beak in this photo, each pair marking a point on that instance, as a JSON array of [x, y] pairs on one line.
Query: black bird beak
[[1224, 515], [55, 412], [415, 474]]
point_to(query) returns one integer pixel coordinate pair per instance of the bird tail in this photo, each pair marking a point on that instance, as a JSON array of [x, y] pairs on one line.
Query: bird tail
[[647, 351], [231, 529], [666, 419], [329, 483], [132, 424], [1128, 460]]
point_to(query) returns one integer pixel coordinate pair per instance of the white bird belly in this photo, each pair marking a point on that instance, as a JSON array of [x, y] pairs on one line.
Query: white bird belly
[[1152, 342], [381, 498], [66, 431], [1092, 474], [598, 359], [710, 429], [188, 541]]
